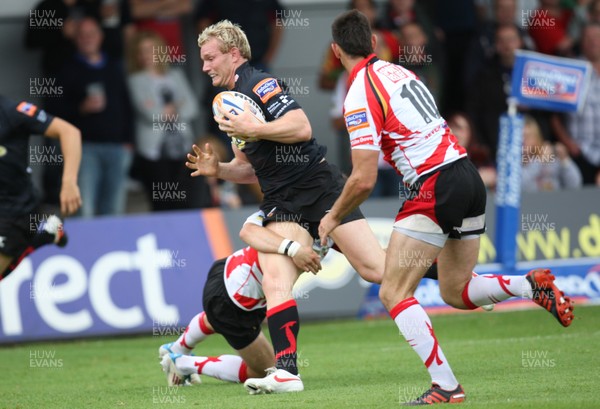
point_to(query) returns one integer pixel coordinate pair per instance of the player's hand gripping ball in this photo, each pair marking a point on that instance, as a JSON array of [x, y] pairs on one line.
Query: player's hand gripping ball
[[234, 103]]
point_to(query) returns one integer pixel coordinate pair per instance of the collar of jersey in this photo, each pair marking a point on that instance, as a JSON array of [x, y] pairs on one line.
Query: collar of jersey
[[238, 70], [369, 59]]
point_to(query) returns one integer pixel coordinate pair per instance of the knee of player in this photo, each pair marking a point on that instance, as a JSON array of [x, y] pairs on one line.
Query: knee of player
[[372, 272], [387, 296], [452, 298]]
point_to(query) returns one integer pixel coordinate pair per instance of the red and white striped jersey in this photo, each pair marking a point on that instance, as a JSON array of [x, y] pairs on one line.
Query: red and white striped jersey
[[243, 276], [243, 279], [389, 109]]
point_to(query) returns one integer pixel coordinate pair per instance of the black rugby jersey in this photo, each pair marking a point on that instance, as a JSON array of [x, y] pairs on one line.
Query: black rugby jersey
[[17, 122], [276, 165]]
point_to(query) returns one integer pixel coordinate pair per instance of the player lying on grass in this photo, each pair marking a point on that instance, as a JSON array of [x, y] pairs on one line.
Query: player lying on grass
[[20, 234], [235, 307]]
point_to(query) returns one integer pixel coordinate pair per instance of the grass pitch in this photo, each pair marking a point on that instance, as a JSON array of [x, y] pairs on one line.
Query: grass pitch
[[522, 359]]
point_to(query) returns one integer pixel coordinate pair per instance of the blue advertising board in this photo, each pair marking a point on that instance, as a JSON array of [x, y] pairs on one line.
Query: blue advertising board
[[117, 275], [548, 82]]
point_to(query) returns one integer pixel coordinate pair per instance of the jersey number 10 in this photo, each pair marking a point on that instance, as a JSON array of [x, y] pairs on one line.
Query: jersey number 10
[[421, 99]]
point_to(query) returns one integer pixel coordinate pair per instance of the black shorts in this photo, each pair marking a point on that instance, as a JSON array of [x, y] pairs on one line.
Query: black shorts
[[16, 234], [239, 327], [452, 198], [308, 200]]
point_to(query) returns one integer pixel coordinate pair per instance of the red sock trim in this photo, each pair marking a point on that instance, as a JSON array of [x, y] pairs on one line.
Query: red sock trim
[[203, 326], [243, 374], [465, 297], [402, 305], [183, 343], [503, 285], [281, 307]]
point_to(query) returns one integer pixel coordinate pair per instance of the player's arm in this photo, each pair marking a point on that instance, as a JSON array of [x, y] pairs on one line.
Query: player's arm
[[359, 185], [238, 170], [206, 163], [292, 127], [70, 144], [286, 121], [267, 241]]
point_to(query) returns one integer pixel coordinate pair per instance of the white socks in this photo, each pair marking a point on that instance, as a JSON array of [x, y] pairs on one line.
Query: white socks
[[195, 333], [414, 324], [483, 290], [230, 368]]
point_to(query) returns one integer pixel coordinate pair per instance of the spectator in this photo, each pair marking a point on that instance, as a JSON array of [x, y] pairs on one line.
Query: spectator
[[117, 25], [417, 56], [400, 12], [260, 20], [483, 45], [457, 21], [387, 44], [487, 99], [164, 18], [548, 28], [581, 131], [586, 11], [163, 107], [462, 128], [97, 102], [545, 167], [55, 41], [52, 30]]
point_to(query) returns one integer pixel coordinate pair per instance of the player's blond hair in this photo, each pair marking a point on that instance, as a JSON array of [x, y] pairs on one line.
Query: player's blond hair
[[229, 35]]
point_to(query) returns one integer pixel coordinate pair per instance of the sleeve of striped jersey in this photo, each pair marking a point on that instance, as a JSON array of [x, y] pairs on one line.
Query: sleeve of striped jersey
[[256, 218], [363, 120]]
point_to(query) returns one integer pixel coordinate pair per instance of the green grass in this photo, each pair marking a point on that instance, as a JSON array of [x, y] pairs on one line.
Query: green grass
[[346, 364]]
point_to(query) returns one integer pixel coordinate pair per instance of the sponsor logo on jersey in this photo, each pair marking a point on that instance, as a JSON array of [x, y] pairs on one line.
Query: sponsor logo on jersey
[[392, 72], [273, 107], [266, 89], [27, 108], [356, 119], [42, 116], [362, 140]]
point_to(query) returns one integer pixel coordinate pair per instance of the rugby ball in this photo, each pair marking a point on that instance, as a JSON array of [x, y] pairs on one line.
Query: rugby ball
[[234, 102]]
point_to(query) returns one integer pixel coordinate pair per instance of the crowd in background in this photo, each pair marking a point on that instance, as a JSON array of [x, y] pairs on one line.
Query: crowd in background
[[121, 66]]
